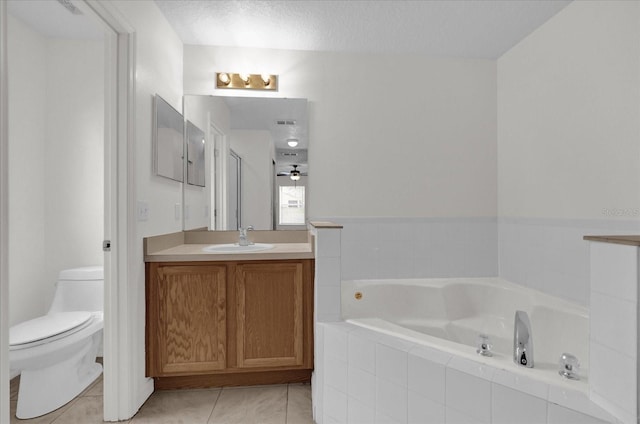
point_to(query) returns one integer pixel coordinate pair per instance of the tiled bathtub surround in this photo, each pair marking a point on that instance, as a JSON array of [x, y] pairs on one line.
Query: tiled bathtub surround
[[614, 328], [418, 247], [370, 377], [550, 255], [326, 308], [544, 254]]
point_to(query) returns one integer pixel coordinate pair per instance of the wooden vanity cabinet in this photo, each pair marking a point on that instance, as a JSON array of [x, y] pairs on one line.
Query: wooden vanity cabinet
[[229, 323]]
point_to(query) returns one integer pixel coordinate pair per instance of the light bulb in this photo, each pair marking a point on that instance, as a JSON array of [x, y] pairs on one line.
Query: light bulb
[[292, 142], [266, 79], [224, 78], [246, 78]]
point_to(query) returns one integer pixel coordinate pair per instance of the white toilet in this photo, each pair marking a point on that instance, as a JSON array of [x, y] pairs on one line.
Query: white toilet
[[56, 354]]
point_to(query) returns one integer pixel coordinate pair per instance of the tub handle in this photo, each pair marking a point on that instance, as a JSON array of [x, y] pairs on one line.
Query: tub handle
[[484, 345], [569, 366]]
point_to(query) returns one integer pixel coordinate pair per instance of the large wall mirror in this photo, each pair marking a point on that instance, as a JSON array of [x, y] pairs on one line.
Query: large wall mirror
[[256, 163]]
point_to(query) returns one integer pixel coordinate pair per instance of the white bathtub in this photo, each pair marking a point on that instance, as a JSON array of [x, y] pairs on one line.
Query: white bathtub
[[449, 314]]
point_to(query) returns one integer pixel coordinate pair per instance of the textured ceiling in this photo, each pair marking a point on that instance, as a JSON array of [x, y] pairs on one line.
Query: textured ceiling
[[453, 28]]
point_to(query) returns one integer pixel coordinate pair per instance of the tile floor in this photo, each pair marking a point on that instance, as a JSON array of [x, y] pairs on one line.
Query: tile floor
[[277, 404]]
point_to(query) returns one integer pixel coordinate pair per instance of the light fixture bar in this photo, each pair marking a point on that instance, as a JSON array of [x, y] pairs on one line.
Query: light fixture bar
[[247, 81]]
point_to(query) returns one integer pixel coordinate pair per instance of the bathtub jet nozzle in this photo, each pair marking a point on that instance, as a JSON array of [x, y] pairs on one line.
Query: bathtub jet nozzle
[[522, 340]]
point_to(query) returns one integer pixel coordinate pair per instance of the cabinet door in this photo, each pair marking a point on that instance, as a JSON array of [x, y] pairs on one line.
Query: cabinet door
[[269, 315], [191, 334]]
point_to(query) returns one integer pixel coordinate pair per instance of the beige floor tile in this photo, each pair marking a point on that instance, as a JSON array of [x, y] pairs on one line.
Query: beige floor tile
[[177, 407], [84, 410], [95, 389], [256, 405], [278, 404], [14, 385], [44, 419], [299, 404]]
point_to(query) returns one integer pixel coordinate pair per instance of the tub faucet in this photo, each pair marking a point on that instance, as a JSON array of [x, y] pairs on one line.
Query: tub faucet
[[522, 340], [242, 239]]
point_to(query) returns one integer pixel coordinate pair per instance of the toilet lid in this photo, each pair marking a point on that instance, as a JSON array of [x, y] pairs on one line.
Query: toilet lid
[[46, 326]]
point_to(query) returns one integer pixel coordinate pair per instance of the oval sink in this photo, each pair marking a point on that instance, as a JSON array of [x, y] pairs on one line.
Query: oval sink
[[236, 248]]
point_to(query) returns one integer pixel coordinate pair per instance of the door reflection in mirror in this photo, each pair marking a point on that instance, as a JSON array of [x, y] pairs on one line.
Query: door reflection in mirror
[[235, 189]]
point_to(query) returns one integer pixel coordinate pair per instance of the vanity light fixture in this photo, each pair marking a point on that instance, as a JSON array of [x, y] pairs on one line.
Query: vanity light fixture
[[292, 142], [247, 81], [295, 174]]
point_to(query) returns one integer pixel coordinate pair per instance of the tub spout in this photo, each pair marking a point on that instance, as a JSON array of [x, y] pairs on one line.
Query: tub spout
[[522, 340]]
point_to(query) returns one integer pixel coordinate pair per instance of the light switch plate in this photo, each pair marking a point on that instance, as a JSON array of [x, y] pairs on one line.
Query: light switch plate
[[143, 210]]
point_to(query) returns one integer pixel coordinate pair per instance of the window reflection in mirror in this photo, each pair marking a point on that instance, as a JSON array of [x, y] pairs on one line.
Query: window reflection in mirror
[[269, 137]]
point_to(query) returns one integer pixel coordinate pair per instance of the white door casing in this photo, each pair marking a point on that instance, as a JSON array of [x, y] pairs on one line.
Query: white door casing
[[123, 382], [4, 221]]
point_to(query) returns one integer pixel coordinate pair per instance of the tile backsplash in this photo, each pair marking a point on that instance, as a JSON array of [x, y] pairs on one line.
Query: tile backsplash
[[418, 247], [549, 255]]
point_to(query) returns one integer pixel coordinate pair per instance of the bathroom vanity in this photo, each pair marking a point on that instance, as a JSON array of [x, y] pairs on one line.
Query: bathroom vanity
[[224, 319]]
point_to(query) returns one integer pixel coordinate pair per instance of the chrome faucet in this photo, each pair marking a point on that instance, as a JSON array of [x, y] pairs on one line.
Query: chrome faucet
[[522, 340], [242, 239]]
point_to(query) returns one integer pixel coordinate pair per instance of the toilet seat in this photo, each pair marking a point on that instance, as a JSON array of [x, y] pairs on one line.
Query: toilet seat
[[47, 328]]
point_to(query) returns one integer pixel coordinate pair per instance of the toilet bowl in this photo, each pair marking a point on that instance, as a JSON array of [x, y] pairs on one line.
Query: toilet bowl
[[55, 354]]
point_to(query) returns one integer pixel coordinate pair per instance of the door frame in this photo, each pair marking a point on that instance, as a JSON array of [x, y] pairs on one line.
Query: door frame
[[216, 185], [234, 156], [121, 377], [4, 220]]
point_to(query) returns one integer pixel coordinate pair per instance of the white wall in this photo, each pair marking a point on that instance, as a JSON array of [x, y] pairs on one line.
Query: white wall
[[439, 135], [568, 108], [56, 165], [158, 62], [74, 151], [568, 151], [27, 122], [158, 71], [255, 148]]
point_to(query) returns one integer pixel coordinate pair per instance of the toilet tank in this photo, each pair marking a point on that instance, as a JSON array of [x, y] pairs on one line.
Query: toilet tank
[[79, 289]]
